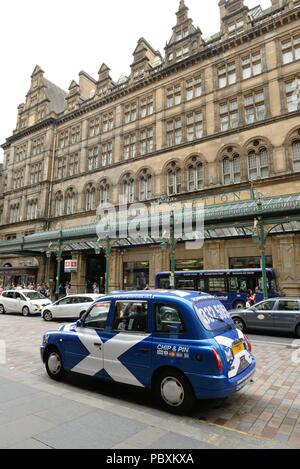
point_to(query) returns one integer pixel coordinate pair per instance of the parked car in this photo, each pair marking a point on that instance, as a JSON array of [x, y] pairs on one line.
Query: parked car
[[275, 314], [25, 302], [70, 307], [184, 346]]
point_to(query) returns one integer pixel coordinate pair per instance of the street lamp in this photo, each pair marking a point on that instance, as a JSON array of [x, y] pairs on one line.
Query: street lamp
[[261, 237], [104, 245], [172, 244], [56, 248]]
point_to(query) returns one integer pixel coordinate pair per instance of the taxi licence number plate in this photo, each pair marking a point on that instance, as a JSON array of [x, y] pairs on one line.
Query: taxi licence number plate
[[236, 349]]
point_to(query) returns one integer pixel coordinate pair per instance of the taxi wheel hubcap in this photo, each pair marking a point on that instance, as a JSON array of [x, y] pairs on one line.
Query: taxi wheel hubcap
[[172, 391], [54, 364], [25, 311], [1, 310]]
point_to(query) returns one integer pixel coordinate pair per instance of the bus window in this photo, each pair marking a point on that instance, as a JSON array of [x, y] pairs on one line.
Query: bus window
[[243, 287], [185, 284], [201, 285], [216, 284], [237, 285], [233, 284], [164, 283]]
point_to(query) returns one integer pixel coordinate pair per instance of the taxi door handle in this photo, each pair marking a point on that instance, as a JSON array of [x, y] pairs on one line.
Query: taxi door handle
[[144, 350], [98, 345]]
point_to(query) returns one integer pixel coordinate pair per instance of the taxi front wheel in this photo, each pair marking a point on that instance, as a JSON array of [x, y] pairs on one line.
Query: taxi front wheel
[[174, 392], [54, 365]]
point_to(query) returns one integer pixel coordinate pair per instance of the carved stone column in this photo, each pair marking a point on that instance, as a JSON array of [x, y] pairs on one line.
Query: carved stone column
[[214, 255]]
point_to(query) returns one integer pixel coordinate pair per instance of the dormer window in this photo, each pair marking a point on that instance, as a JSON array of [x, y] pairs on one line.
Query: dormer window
[[182, 53], [181, 34], [235, 28]]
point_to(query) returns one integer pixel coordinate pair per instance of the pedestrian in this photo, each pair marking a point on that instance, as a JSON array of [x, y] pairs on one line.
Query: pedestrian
[[95, 288], [251, 299], [61, 290], [68, 289]]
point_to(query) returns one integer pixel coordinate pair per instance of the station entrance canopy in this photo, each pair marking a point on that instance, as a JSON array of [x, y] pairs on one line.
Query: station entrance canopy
[[231, 220]]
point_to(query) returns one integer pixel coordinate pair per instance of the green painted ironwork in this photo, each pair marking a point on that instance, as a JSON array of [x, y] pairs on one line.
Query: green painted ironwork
[[239, 215]]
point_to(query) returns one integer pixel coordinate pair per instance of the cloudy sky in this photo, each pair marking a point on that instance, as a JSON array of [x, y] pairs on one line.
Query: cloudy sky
[[65, 37]]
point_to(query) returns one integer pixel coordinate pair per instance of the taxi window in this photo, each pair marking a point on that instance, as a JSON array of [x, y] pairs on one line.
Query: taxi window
[[213, 315], [97, 317], [130, 316], [168, 319]]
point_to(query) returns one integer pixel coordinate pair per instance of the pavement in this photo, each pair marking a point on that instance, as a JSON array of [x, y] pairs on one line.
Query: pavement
[[36, 412]]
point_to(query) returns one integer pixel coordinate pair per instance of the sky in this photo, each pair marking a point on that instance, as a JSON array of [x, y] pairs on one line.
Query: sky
[[67, 36]]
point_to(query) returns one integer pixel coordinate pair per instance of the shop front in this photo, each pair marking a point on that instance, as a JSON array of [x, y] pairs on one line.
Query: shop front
[[10, 276]]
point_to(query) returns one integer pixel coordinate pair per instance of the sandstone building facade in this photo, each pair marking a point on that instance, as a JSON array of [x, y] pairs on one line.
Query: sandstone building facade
[[213, 119]]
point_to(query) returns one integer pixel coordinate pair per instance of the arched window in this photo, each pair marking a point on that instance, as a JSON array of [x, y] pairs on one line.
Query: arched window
[[104, 194], [59, 205], [128, 189], [296, 155], [174, 179], [258, 163], [231, 169], [70, 202], [90, 198], [145, 186], [195, 175]]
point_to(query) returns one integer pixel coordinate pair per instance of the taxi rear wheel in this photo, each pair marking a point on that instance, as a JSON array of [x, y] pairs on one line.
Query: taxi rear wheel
[[174, 392], [54, 365]]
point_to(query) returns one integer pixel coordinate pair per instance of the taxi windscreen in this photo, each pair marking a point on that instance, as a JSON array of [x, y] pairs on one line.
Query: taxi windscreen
[[213, 315]]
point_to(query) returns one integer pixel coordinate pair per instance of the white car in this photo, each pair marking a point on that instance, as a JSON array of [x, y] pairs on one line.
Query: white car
[[25, 302], [70, 307]]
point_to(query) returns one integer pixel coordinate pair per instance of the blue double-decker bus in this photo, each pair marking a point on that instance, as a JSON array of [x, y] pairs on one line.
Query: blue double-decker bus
[[229, 286]]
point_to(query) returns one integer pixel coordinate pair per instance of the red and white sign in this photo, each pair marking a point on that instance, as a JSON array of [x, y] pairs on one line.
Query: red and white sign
[[71, 266]]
